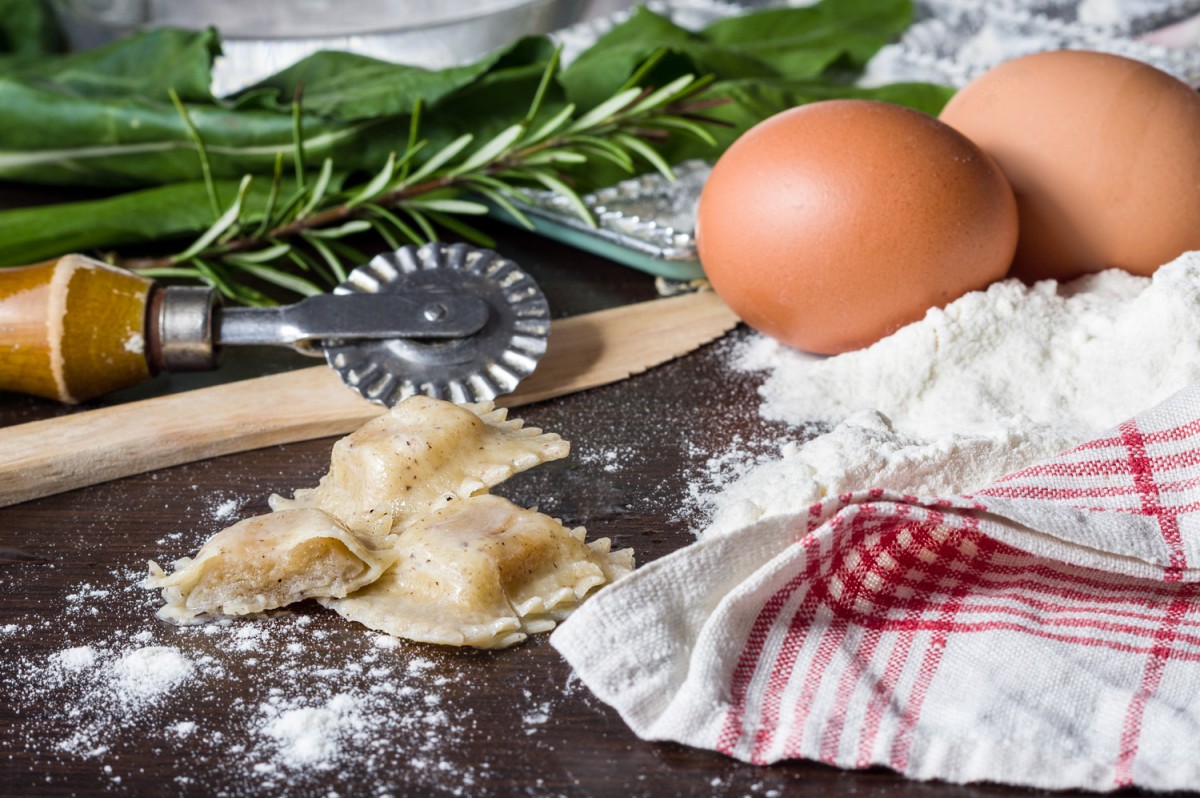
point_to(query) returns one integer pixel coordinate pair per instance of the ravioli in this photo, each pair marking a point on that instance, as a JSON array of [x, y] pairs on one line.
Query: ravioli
[[402, 536], [266, 562], [483, 572], [418, 456]]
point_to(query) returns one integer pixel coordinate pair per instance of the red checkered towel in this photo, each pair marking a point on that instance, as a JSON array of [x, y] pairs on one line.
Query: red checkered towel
[[1044, 631]]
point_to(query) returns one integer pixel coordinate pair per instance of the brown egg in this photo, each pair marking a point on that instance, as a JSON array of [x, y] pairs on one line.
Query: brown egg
[[1102, 153], [831, 225]]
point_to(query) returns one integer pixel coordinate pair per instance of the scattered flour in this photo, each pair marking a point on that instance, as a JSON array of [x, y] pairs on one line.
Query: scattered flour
[[995, 381], [144, 674], [307, 713], [312, 736]]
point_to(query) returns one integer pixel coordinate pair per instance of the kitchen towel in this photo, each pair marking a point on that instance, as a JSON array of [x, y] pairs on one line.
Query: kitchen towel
[[1044, 631]]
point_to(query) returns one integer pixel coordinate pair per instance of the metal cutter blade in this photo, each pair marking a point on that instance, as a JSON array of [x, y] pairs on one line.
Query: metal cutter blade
[[481, 366]]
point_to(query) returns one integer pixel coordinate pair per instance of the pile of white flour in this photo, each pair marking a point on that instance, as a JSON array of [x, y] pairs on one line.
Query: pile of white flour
[[995, 381]]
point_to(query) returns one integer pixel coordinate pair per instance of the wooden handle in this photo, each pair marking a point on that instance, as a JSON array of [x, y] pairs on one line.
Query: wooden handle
[[72, 329], [57, 454]]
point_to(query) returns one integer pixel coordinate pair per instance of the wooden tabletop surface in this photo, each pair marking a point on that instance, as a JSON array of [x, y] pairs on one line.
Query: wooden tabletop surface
[[77, 717]]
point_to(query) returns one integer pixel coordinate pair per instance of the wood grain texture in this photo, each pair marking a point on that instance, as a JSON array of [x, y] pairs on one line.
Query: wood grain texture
[[45, 457], [517, 722]]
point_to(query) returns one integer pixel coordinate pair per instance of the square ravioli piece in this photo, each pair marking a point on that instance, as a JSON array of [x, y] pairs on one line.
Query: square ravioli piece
[[419, 455], [266, 562], [483, 572]]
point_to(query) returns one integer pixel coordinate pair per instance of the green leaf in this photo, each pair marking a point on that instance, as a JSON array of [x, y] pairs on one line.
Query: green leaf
[[501, 201], [605, 110], [686, 125], [490, 151], [145, 65], [225, 222], [604, 68], [377, 184], [464, 207], [55, 138], [441, 157], [605, 147], [539, 96], [347, 253], [555, 157], [464, 231], [770, 43], [552, 125], [352, 227], [205, 165], [385, 233], [636, 79], [802, 42], [273, 197], [299, 156], [166, 272], [28, 29], [422, 221], [275, 276], [348, 87], [414, 144], [317, 193], [646, 151], [327, 255], [398, 223], [155, 214], [215, 276], [264, 255], [664, 95], [567, 193]]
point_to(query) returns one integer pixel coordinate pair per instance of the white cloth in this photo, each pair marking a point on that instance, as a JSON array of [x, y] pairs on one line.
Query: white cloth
[[1044, 631]]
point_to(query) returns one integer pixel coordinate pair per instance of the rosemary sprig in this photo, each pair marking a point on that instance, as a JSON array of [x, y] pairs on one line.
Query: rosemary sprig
[[407, 201]]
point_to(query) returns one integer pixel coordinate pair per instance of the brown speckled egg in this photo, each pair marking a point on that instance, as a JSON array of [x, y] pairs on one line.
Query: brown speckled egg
[[1102, 153], [831, 225]]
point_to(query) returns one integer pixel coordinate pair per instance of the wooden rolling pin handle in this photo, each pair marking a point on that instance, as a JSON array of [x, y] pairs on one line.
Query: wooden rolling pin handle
[[72, 329]]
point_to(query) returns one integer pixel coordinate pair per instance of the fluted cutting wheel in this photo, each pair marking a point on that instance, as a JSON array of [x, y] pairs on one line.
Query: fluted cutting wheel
[[482, 366]]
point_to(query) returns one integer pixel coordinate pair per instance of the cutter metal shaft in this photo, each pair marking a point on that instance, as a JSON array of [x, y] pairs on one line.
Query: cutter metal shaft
[[188, 325]]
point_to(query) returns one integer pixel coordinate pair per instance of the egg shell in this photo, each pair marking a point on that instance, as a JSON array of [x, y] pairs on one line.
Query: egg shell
[[1102, 153], [831, 225]]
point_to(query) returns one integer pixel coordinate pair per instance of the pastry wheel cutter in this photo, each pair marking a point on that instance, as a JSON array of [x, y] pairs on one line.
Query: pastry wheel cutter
[[447, 320]]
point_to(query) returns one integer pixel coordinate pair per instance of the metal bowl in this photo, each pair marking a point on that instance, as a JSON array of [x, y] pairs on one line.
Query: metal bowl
[[262, 36]]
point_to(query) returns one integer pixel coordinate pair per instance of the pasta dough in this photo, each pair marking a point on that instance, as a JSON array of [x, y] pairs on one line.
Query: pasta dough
[[483, 572], [266, 562], [402, 536], [417, 457]]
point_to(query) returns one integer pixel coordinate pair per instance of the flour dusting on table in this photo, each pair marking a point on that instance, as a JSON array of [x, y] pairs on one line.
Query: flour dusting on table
[[323, 708]]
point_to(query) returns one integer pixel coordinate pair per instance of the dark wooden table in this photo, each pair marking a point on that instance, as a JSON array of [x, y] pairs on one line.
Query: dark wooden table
[[425, 720]]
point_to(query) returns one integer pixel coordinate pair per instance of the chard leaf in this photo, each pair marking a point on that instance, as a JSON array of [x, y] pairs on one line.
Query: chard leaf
[[801, 42], [792, 43], [145, 65], [350, 87], [155, 214], [28, 29], [54, 138]]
